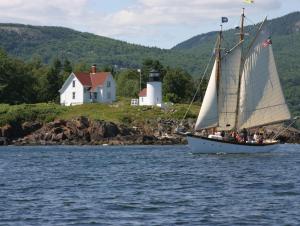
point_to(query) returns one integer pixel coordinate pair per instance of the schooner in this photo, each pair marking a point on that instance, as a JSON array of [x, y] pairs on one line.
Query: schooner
[[243, 91]]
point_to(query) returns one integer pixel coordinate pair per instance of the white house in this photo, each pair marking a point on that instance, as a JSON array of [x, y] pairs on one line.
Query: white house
[[152, 95], [93, 87]]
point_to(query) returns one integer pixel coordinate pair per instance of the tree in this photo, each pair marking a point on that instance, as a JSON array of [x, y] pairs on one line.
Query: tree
[[128, 83], [177, 86], [148, 65], [15, 81], [54, 80], [67, 66]]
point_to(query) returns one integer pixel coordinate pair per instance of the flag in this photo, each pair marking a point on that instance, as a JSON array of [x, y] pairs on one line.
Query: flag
[[224, 19], [249, 1], [267, 42]]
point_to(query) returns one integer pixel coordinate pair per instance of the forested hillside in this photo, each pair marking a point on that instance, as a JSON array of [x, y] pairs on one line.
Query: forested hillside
[[47, 43]]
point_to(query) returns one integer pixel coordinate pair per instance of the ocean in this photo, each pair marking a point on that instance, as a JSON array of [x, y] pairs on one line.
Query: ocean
[[147, 185]]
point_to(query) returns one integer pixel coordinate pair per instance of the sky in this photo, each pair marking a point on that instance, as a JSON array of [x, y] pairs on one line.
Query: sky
[[160, 23]]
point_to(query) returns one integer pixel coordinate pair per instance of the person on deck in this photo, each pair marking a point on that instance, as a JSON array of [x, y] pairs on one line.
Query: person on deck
[[244, 135]]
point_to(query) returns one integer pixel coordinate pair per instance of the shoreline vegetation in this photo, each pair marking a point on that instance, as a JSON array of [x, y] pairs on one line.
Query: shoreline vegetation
[[102, 124]]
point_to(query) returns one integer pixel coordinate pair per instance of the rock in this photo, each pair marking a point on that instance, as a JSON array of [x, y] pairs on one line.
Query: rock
[[82, 122], [30, 127], [59, 137], [100, 129], [57, 130], [4, 141], [110, 129], [7, 131]]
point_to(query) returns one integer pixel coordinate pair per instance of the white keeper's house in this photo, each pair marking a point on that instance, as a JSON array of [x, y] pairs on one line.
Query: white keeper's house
[[152, 95], [93, 87]]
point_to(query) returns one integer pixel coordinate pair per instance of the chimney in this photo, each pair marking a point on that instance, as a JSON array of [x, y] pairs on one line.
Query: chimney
[[94, 69]]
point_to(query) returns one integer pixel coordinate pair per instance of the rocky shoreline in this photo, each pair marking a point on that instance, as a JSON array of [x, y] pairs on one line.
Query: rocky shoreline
[[83, 131]]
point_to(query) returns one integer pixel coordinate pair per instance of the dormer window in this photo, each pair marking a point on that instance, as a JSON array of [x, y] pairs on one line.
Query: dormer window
[[108, 84], [73, 84]]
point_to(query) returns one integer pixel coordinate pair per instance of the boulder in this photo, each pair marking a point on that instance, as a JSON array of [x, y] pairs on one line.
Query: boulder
[[30, 127], [4, 141], [82, 122], [7, 131]]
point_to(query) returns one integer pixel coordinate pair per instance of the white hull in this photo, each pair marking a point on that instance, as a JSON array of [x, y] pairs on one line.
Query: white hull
[[210, 146]]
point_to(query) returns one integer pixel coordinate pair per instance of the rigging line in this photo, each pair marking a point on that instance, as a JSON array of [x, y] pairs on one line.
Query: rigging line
[[254, 25], [198, 88], [286, 128]]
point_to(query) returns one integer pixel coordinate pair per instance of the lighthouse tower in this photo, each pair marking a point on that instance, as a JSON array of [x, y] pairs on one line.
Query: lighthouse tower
[[152, 95]]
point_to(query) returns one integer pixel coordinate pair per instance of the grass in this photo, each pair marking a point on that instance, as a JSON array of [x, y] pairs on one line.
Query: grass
[[118, 112]]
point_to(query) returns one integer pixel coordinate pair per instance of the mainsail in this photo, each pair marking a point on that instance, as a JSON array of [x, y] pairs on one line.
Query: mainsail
[[261, 98], [228, 88]]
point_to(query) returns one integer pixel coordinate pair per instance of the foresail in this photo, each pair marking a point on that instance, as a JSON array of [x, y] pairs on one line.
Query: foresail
[[261, 97], [228, 88], [208, 115]]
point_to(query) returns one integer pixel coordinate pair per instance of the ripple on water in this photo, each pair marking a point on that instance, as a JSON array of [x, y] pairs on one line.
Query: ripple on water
[[147, 186]]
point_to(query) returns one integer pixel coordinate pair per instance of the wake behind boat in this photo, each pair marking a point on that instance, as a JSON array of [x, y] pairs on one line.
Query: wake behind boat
[[243, 93]]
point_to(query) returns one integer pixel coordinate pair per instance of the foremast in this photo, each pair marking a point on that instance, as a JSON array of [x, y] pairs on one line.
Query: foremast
[[242, 37]]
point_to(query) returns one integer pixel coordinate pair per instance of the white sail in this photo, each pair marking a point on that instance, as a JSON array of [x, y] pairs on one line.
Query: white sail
[[261, 97], [228, 88], [208, 115]]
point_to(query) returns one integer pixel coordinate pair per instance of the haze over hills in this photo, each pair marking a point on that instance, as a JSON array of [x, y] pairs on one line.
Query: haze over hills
[[26, 42]]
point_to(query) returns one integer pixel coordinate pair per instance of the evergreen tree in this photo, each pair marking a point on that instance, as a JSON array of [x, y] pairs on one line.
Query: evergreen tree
[[54, 80], [67, 67], [148, 65]]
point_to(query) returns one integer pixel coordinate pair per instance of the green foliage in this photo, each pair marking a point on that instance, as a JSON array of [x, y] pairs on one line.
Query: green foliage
[[15, 81], [128, 83], [29, 112], [54, 80], [177, 85], [148, 65]]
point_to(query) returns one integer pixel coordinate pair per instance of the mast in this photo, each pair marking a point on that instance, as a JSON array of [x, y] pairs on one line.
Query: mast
[[218, 60], [242, 36]]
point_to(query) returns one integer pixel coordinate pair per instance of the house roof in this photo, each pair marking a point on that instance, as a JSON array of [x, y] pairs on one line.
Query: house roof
[[92, 80], [143, 93]]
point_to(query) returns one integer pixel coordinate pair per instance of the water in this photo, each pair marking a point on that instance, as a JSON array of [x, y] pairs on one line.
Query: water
[[147, 186]]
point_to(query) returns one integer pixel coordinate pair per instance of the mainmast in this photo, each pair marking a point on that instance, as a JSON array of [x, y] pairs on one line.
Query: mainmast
[[242, 36], [218, 60]]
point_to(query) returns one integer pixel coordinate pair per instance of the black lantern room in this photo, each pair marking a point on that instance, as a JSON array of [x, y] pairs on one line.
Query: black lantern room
[[154, 76]]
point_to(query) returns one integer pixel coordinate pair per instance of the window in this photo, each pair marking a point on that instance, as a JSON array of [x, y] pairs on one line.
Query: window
[[108, 95], [90, 95], [73, 95], [108, 84], [74, 83], [95, 95]]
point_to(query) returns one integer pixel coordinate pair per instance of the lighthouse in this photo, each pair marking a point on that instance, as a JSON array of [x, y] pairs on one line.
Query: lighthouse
[[152, 95]]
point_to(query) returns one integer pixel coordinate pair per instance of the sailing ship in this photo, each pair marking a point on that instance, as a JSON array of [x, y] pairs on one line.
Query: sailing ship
[[243, 92]]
